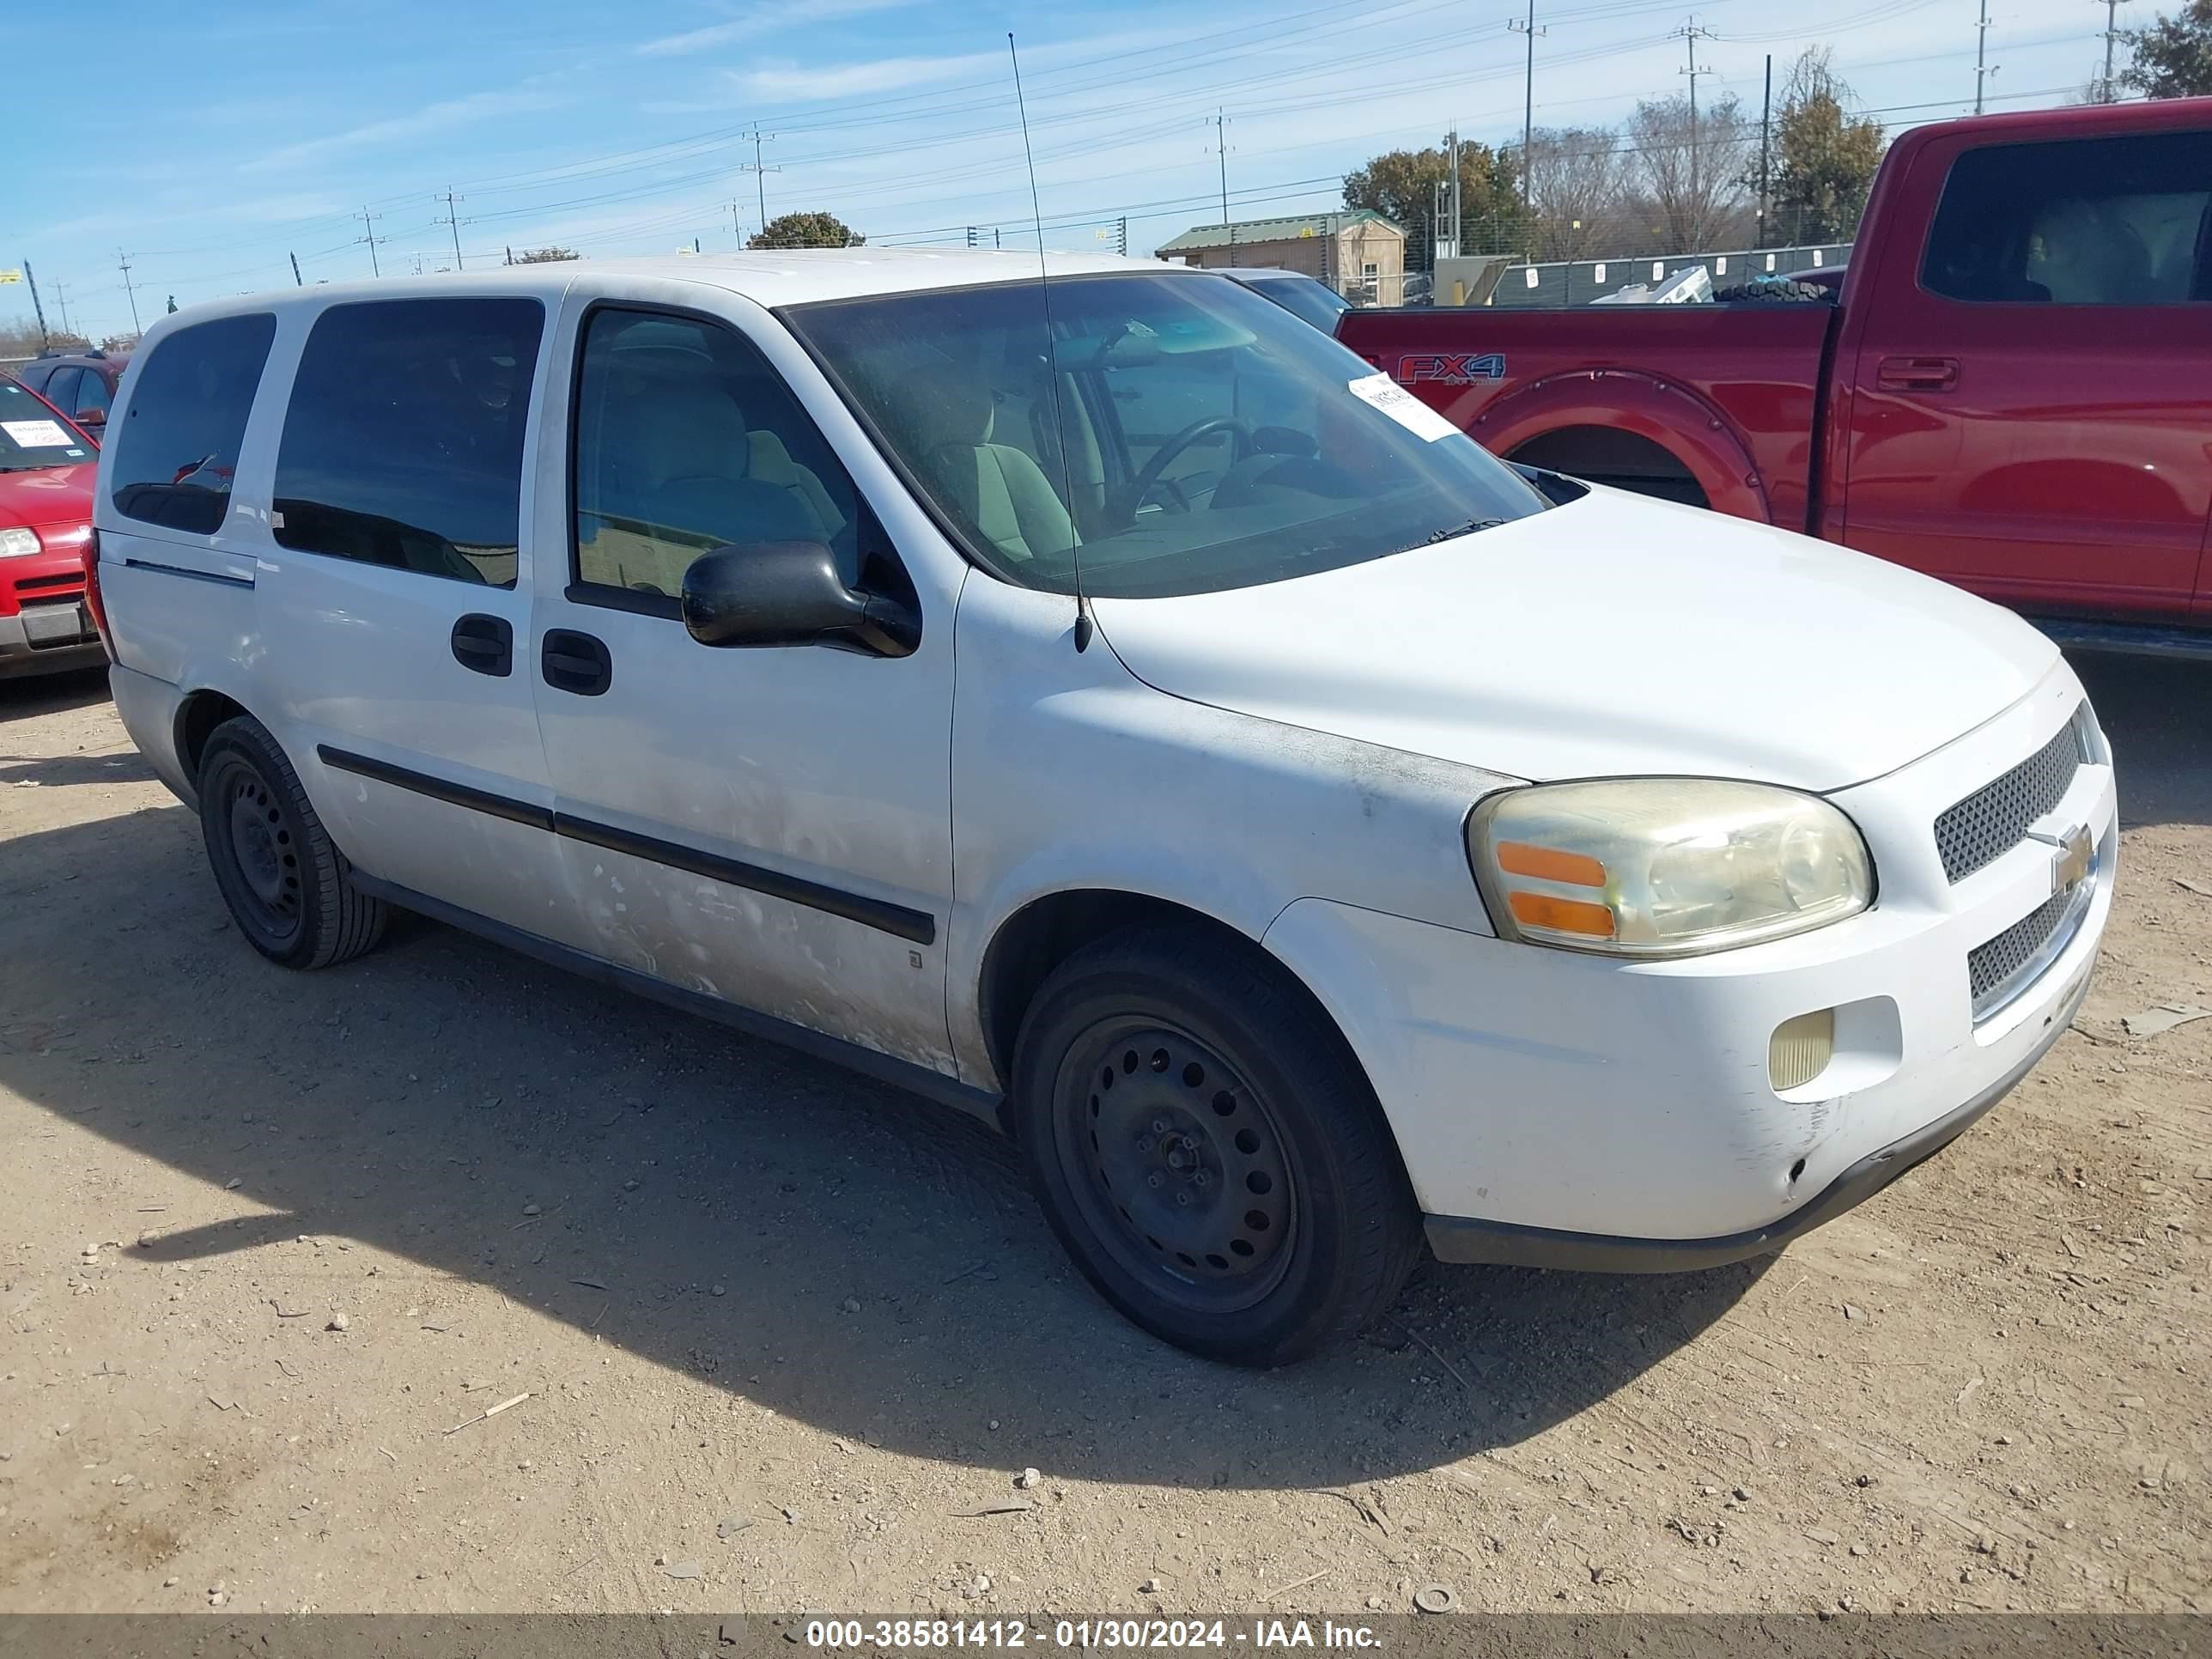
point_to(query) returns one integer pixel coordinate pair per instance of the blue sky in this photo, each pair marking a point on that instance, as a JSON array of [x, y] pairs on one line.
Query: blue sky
[[622, 129]]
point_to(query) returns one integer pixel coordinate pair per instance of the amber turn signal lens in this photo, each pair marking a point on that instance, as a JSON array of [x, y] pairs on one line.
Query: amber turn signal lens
[[1520, 858], [1565, 915]]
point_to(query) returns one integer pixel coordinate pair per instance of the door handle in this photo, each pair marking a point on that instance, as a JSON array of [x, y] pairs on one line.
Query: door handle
[[576, 662], [484, 644], [1917, 374]]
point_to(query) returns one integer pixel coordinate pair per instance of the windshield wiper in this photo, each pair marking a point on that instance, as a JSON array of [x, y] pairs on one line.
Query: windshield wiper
[[1450, 532]]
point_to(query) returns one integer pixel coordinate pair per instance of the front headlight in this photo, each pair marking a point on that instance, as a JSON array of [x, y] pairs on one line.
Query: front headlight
[[16, 542], [1664, 866]]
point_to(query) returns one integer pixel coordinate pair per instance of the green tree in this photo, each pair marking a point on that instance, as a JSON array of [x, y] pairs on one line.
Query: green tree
[[545, 256], [1401, 186], [1824, 157], [805, 230], [2174, 56]]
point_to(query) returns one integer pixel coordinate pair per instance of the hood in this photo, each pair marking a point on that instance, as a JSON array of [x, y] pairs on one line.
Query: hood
[[1612, 635], [52, 495]]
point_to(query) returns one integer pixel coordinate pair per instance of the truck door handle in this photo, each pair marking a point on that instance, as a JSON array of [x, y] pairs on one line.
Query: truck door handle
[[485, 644], [1917, 374], [576, 662]]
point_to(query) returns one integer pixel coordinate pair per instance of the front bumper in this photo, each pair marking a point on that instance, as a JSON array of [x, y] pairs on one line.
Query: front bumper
[[49, 639], [1463, 1239], [1569, 1109]]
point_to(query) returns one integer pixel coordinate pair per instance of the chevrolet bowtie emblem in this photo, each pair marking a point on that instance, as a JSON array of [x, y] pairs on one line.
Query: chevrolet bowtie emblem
[[2075, 857]]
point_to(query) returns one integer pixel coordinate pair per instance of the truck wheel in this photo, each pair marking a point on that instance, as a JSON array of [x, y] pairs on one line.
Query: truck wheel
[[288, 887], [1208, 1150]]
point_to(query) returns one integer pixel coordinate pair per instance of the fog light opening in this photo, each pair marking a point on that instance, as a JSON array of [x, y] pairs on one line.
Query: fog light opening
[[1800, 1050]]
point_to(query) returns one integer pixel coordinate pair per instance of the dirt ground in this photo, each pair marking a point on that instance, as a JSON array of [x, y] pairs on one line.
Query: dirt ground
[[271, 1245]]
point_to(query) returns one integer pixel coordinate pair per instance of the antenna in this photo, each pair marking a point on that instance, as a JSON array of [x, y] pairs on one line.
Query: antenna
[[1083, 625]]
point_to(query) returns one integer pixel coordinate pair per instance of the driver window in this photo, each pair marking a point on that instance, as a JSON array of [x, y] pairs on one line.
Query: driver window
[[686, 440]]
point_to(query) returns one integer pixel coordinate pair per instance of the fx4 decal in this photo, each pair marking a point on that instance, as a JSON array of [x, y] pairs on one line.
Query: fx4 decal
[[1447, 369]]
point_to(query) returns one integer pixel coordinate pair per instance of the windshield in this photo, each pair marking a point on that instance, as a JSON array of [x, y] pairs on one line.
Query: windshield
[[1199, 437], [1304, 299], [32, 436]]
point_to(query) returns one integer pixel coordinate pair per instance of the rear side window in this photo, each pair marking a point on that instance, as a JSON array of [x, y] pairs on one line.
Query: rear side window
[[177, 449], [2097, 222], [403, 444]]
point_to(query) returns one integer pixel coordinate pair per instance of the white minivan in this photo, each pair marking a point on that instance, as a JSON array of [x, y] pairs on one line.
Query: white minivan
[[1103, 702]]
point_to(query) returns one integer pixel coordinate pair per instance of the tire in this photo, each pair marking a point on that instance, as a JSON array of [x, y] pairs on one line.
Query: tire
[[1774, 293], [288, 888], [1208, 1150]]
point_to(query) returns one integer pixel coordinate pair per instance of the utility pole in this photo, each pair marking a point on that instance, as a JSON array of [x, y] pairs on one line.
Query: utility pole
[[760, 171], [1451, 175], [737, 226], [61, 299], [39, 306], [2112, 32], [368, 223], [1528, 92], [1221, 149], [1983, 68], [1766, 134], [1122, 236], [130, 292], [454, 218], [297, 281], [1690, 34]]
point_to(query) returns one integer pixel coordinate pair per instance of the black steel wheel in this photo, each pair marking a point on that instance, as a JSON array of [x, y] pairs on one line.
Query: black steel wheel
[[287, 885], [1208, 1149], [1177, 1161]]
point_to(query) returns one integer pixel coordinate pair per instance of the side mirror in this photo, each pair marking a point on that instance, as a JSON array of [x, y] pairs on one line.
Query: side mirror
[[762, 593], [91, 417]]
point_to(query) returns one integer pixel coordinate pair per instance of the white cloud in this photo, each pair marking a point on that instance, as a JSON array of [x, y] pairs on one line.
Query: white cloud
[[432, 118], [794, 84], [762, 20]]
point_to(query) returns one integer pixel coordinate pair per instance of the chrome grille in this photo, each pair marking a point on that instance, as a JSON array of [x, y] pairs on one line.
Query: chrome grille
[[2003, 965], [1994, 819]]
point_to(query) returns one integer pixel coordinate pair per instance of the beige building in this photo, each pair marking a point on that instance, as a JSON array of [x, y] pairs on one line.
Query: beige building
[[1362, 255]]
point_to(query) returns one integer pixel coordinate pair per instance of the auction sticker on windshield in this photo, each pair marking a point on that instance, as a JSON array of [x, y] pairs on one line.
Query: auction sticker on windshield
[[1402, 406], [37, 434]]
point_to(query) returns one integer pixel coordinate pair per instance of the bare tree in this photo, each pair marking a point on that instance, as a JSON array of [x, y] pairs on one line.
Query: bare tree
[[1690, 171], [1577, 177]]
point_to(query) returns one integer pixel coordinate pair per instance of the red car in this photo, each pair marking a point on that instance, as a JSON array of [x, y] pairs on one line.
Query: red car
[[46, 465], [2007, 392]]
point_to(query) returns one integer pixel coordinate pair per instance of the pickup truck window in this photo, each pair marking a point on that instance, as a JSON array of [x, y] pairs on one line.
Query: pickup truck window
[[1176, 434], [686, 440], [178, 448], [403, 444], [2095, 222]]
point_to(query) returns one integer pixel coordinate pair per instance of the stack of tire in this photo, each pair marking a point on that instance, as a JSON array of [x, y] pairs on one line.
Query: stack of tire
[[1774, 290]]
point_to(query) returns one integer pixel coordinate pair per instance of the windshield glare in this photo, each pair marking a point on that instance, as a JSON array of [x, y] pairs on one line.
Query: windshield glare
[[32, 436], [1199, 437]]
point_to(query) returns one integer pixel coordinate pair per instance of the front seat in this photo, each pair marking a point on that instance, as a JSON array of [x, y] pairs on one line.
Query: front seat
[[687, 466], [1000, 489]]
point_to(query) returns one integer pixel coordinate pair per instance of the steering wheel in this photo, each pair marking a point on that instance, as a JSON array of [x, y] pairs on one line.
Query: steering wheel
[[1149, 480]]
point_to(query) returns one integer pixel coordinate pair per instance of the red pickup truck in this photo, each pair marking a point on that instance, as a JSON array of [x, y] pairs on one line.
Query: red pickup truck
[[2011, 390]]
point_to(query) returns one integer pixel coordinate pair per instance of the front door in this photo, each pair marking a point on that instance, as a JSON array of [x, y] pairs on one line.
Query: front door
[[394, 606], [2028, 403], [769, 827]]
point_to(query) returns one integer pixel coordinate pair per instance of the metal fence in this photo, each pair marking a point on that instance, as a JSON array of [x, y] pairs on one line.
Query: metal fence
[[1576, 283]]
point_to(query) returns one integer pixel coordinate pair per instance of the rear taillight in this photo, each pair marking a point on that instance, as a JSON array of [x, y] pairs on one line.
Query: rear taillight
[[92, 600]]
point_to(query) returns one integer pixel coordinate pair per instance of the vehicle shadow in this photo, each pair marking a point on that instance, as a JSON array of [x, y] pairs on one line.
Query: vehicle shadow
[[2152, 709], [50, 694], [818, 1244]]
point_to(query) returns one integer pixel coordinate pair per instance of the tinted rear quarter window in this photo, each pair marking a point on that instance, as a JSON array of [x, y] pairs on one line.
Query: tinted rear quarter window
[[176, 447], [403, 444], [2114, 221]]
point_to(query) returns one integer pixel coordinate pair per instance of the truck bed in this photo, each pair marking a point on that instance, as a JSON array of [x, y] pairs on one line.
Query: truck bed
[[1595, 391]]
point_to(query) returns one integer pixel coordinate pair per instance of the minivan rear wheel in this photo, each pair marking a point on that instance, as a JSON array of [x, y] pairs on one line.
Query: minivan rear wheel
[[288, 886], [1208, 1149]]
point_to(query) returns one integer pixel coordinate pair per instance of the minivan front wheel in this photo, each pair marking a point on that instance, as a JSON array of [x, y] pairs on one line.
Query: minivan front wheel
[[1209, 1150], [286, 882]]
